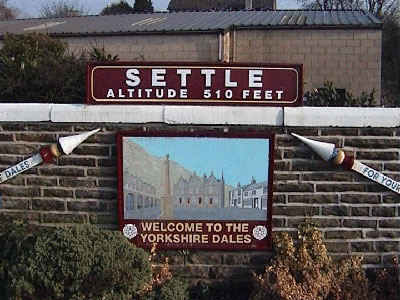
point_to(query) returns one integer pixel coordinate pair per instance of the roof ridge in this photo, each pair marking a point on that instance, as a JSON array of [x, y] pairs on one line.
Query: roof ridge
[[186, 11], [204, 21]]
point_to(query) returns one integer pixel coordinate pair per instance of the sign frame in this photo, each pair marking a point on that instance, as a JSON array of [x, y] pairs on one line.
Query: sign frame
[[257, 245], [91, 82]]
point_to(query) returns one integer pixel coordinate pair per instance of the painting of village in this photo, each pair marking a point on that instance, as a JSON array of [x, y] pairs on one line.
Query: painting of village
[[195, 178]]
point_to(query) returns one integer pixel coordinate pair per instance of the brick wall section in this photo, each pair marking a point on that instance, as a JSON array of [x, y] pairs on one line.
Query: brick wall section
[[349, 58], [153, 47], [357, 216]]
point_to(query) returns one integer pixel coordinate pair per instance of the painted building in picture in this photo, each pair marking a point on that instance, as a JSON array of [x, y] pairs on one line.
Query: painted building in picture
[[253, 195], [343, 47], [205, 192], [139, 194]]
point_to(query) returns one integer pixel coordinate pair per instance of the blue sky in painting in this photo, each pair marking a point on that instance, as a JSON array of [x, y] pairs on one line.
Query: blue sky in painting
[[239, 159]]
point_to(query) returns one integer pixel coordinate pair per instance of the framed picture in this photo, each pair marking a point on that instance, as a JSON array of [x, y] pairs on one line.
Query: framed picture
[[196, 190]]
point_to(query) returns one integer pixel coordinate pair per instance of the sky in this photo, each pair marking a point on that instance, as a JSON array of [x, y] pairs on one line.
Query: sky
[[31, 8], [239, 159]]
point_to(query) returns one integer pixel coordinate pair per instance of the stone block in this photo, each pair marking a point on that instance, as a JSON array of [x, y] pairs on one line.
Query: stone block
[[19, 191], [372, 143], [102, 172], [337, 247], [6, 137], [294, 187], [57, 192], [362, 247], [42, 181], [371, 259], [278, 222], [86, 206], [360, 223], [378, 234], [18, 149], [48, 205], [360, 211], [92, 150], [339, 187], [327, 176], [295, 210], [387, 246], [383, 211], [377, 155], [61, 171], [336, 210], [76, 161], [389, 223], [313, 198], [16, 204], [343, 235], [100, 219]]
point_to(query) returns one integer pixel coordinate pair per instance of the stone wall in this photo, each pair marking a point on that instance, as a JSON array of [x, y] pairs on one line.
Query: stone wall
[[356, 216]]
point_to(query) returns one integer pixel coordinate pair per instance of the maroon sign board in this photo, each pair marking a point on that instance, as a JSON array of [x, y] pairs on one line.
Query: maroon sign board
[[194, 83], [196, 190]]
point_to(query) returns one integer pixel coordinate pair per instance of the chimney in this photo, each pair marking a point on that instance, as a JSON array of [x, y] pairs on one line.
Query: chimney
[[249, 4]]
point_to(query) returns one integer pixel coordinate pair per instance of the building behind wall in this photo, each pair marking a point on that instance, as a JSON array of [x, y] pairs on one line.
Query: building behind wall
[[340, 46]]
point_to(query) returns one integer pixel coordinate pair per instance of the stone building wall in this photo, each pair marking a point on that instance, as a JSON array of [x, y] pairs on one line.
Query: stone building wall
[[153, 47], [356, 215], [350, 58]]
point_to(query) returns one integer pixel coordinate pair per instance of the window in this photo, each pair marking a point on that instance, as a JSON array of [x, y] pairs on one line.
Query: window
[[246, 194], [180, 200], [253, 192], [265, 190], [140, 202], [239, 192], [188, 200], [129, 202], [211, 200], [199, 200]]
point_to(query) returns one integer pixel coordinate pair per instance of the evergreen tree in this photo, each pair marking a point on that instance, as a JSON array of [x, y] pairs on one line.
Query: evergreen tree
[[143, 6], [117, 9]]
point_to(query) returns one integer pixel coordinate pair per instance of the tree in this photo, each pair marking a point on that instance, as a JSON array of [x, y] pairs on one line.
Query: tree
[[203, 5], [61, 9], [117, 9], [6, 13], [379, 8], [143, 6]]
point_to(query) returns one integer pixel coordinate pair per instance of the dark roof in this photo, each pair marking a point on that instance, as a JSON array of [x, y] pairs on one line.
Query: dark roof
[[190, 21]]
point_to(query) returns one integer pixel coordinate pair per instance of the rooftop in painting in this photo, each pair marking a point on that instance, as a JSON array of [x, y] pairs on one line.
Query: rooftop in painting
[[191, 21]]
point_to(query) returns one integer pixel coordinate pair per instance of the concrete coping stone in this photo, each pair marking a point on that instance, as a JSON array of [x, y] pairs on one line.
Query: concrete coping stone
[[342, 117], [202, 115]]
